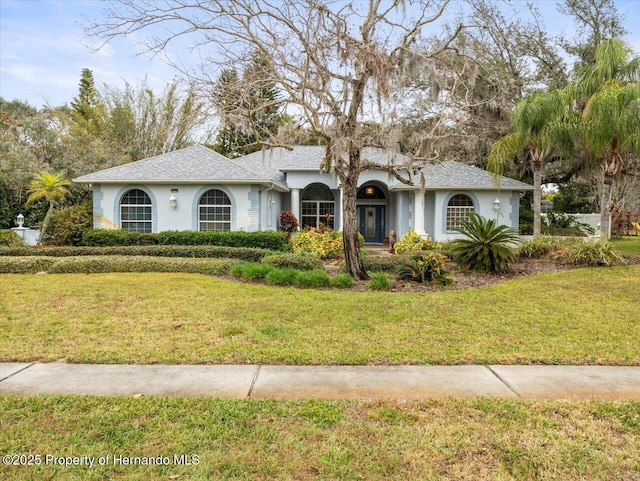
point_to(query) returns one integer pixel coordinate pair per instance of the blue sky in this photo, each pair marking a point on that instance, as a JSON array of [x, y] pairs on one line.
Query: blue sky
[[43, 48]]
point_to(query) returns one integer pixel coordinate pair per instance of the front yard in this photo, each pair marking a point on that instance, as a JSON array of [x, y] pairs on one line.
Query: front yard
[[580, 316], [577, 316], [477, 439]]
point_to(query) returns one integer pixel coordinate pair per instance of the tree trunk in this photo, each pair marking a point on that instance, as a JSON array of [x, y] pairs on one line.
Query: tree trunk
[[45, 223], [350, 238], [605, 209], [537, 198]]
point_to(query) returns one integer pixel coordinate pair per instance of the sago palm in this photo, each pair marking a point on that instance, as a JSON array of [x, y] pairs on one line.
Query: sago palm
[[609, 96], [52, 188], [486, 247], [532, 132]]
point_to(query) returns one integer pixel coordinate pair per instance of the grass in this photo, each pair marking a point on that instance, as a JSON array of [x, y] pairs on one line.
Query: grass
[[384, 440], [581, 316], [627, 246]]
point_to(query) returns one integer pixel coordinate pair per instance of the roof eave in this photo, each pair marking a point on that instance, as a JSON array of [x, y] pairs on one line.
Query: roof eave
[[276, 185], [461, 187]]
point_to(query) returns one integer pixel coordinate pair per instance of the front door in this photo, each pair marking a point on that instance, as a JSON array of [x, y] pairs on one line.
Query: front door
[[372, 223]]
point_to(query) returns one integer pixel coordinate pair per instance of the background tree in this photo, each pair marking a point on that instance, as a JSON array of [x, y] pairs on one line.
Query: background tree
[[470, 88], [596, 21], [87, 109], [609, 127], [51, 187], [249, 108], [145, 124], [338, 63]]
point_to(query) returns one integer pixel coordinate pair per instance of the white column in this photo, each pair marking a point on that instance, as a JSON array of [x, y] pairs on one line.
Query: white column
[[295, 204], [418, 213], [341, 210]]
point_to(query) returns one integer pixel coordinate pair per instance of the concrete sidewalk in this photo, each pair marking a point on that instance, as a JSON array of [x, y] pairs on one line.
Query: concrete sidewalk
[[323, 382]]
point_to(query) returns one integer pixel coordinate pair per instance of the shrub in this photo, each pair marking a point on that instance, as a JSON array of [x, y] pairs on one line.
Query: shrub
[[300, 261], [107, 237], [68, 225], [25, 265], [103, 264], [541, 246], [281, 277], [268, 239], [272, 240], [558, 223], [380, 281], [251, 270], [411, 242], [382, 264], [593, 254], [9, 238], [288, 223], [322, 244], [422, 267], [312, 279], [241, 253], [486, 247], [342, 281]]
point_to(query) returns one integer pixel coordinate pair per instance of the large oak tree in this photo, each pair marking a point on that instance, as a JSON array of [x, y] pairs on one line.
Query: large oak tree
[[339, 65]]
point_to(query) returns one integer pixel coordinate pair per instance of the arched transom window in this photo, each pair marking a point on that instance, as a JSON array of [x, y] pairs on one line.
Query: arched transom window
[[214, 211], [458, 208], [318, 206], [135, 211]]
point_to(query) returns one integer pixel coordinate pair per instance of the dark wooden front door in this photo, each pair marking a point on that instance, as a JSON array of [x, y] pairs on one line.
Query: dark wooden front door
[[371, 219]]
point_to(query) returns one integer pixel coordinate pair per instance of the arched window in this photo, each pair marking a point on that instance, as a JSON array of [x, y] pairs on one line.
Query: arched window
[[318, 206], [214, 211], [458, 208], [135, 211]]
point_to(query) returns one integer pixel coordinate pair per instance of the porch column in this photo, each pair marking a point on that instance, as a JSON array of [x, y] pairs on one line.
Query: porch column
[[341, 210], [418, 213], [295, 204]]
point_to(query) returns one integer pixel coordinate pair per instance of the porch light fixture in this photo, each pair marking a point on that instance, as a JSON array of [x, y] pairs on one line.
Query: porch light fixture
[[173, 202], [369, 191], [496, 205], [20, 220]]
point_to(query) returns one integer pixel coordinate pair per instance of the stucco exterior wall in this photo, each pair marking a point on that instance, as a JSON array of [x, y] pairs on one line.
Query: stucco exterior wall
[[249, 207], [255, 207], [483, 204]]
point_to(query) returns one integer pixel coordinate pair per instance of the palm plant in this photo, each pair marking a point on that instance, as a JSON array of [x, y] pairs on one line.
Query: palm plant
[[486, 247], [533, 122], [52, 188], [608, 94]]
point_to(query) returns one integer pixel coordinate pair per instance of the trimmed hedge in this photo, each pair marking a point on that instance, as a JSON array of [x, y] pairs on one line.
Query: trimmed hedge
[[272, 240], [294, 261], [245, 254], [10, 238], [102, 264], [105, 238]]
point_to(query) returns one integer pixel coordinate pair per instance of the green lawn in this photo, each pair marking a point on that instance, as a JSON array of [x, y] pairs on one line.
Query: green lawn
[[583, 316], [627, 246], [349, 440]]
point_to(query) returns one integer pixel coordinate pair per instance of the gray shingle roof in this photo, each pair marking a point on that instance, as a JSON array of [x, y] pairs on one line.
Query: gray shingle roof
[[200, 164], [452, 174], [192, 164]]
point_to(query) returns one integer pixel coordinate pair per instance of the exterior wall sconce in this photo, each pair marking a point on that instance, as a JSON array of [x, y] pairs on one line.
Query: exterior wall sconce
[[496, 205], [20, 220], [173, 202]]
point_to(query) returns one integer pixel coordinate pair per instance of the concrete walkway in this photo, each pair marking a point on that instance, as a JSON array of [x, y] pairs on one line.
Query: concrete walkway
[[323, 382]]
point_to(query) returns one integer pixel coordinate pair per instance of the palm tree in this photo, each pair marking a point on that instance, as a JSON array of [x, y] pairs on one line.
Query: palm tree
[[53, 188], [608, 94], [533, 122]]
